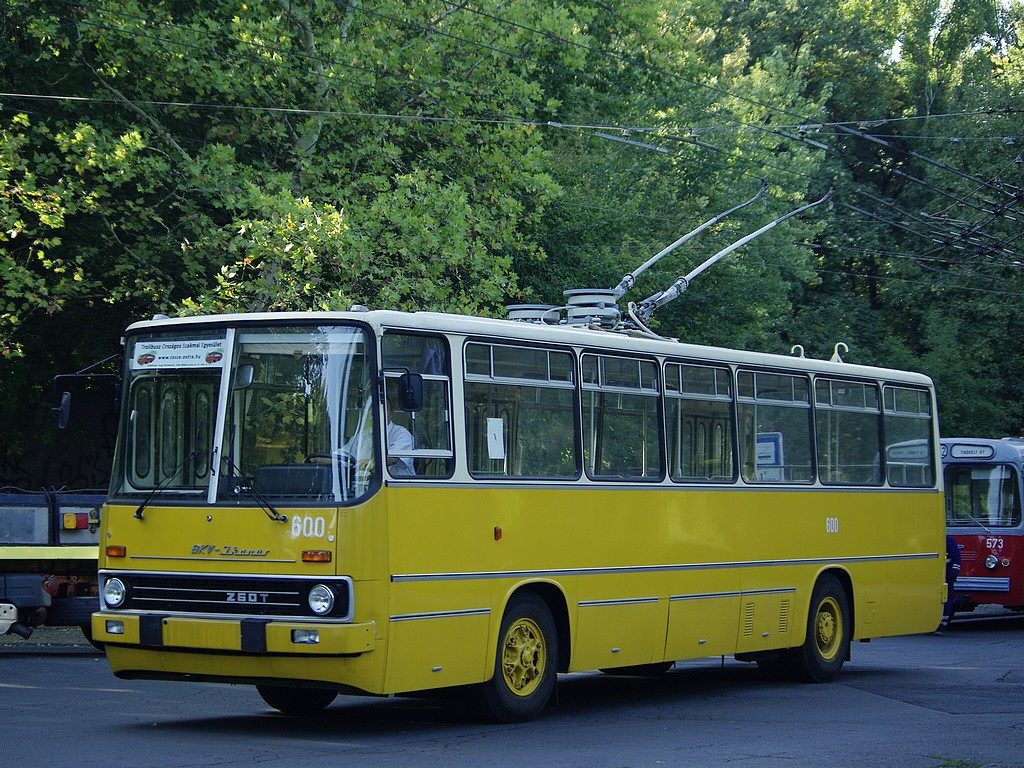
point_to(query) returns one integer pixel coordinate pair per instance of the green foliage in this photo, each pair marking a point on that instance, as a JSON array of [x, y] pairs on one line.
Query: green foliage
[[267, 155], [288, 158]]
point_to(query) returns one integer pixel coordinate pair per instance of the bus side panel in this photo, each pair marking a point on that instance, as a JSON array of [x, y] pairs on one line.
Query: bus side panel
[[889, 545], [765, 619], [913, 588], [659, 570], [436, 652], [442, 548], [621, 620], [701, 623], [437, 633], [913, 599]]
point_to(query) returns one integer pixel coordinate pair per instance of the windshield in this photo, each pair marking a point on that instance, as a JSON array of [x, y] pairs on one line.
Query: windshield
[[984, 495], [236, 416]]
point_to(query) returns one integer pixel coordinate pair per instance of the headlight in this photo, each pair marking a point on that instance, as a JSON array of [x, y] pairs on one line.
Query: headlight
[[114, 592], [321, 599], [991, 561]]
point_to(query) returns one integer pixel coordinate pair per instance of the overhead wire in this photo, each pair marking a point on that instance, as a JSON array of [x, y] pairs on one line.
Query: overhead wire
[[424, 118], [330, 62], [562, 40], [695, 142], [260, 46], [842, 127]]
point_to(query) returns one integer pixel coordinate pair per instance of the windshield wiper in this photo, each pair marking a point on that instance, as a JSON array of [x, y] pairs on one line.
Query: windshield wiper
[[248, 485], [980, 524], [165, 484]]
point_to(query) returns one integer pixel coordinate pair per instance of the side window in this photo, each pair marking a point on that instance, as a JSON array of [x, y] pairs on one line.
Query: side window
[[520, 412], [621, 425], [848, 426], [420, 442], [909, 454], [774, 412], [698, 414]]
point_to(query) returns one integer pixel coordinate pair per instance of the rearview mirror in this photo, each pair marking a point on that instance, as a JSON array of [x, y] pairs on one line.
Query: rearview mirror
[[63, 410], [410, 392], [244, 376]]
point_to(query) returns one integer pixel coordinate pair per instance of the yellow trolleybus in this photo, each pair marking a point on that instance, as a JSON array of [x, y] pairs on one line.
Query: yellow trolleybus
[[381, 502]]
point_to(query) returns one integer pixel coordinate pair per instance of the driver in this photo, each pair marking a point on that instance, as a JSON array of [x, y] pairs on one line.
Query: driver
[[400, 440]]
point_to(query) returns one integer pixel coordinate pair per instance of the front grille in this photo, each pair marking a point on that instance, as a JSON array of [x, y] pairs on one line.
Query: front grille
[[276, 596]]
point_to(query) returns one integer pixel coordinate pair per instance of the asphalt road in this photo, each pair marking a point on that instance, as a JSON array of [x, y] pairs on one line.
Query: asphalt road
[[923, 701]]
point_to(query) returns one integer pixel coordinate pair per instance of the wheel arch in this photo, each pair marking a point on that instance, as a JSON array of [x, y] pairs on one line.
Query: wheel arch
[[842, 575], [846, 582], [828, 630], [554, 598]]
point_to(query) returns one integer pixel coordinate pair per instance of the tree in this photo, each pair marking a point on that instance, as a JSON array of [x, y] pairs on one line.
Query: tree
[[316, 151], [177, 157], [182, 158]]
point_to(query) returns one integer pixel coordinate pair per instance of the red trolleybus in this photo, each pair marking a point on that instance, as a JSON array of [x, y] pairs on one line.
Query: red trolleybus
[[983, 514]]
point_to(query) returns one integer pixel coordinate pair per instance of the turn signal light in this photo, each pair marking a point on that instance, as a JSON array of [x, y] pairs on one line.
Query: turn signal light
[[116, 550], [316, 556]]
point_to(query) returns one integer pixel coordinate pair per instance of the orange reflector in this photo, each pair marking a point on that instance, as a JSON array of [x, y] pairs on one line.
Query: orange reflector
[[316, 556], [75, 520], [115, 550]]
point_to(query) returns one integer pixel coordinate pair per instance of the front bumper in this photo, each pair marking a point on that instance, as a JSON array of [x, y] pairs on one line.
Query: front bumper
[[230, 635]]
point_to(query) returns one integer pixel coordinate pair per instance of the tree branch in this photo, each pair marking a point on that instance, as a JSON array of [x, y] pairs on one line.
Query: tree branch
[[161, 131]]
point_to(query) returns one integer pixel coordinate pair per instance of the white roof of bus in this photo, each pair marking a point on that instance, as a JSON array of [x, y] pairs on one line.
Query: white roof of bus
[[580, 336]]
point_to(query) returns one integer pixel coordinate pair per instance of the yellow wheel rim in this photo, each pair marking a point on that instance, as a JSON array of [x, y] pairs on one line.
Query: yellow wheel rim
[[828, 628], [524, 657]]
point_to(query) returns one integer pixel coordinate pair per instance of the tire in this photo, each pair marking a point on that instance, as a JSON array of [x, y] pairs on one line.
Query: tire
[[296, 701], [524, 664], [827, 645], [87, 631]]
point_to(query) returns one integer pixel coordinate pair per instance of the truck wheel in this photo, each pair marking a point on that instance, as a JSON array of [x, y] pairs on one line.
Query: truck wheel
[[524, 664]]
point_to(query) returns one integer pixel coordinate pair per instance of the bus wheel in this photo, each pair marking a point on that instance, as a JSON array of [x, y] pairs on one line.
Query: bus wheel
[[87, 631], [524, 665], [296, 701], [827, 644]]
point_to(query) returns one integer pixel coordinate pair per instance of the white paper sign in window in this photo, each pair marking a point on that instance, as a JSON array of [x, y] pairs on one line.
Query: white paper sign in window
[[495, 439]]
